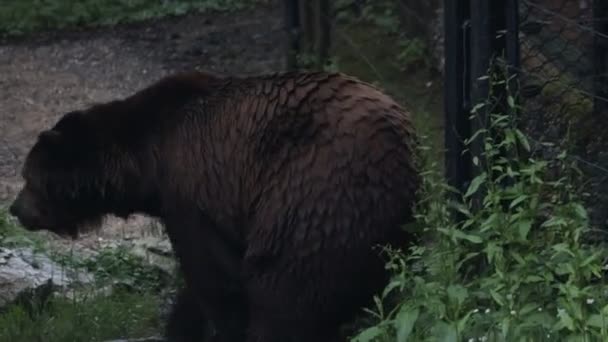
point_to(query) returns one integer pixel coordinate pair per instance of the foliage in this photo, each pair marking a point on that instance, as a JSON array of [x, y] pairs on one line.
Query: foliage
[[506, 260], [120, 315], [25, 16]]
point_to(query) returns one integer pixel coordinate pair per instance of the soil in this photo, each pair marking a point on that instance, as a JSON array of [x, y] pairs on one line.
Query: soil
[[46, 75]]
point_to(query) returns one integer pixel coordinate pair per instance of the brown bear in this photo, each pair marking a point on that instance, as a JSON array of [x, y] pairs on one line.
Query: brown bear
[[273, 189]]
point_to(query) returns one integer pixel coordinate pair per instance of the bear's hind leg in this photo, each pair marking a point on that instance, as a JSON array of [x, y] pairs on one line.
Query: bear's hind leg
[[297, 302]]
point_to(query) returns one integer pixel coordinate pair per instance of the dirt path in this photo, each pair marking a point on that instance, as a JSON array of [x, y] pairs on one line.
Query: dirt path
[[42, 77]]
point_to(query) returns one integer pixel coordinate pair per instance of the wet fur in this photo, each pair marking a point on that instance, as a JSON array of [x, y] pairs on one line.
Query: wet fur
[[273, 191]]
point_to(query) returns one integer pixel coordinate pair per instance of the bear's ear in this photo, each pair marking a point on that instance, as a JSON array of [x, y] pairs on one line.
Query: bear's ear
[[50, 137]]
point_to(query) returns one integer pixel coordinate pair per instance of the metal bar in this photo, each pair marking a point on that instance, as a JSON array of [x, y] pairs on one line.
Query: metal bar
[[324, 37], [482, 46], [457, 166], [600, 52], [292, 26], [512, 52]]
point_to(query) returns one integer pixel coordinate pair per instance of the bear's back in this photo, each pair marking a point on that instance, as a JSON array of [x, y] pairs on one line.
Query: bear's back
[[333, 154], [320, 114]]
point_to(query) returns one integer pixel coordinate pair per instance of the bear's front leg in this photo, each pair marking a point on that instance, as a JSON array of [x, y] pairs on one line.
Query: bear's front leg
[[210, 264], [186, 321]]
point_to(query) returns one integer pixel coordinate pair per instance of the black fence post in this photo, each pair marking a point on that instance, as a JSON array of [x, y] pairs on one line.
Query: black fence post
[[477, 32], [324, 33], [600, 51], [457, 166], [293, 28], [512, 52], [482, 46]]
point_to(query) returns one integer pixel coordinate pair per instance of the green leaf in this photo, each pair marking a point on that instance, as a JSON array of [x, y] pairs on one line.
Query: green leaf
[[562, 248], [457, 293], [518, 200], [477, 107], [533, 279], [511, 101], [475, 184], [554, 221], [492, 250], [505, 326], [530, 307], [446, 332], [404, 323], [471, 238], [369, 334], [523, 228], [598, 321], [498, 298], [490, 222], [580, 211], [593, 257], [523, 140], [565, 319]]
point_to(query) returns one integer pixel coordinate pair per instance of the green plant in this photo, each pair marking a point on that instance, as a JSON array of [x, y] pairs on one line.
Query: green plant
[[506, 260]]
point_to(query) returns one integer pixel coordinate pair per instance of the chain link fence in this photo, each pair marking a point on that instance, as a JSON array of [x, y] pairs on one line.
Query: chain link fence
[[563, 79]]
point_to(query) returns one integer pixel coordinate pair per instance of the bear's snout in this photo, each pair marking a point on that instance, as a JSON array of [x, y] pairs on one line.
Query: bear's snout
[[14, 209], [22, 210]]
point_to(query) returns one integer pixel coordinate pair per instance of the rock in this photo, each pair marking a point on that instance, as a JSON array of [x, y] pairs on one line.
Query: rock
[[22, 270], [157, 251]]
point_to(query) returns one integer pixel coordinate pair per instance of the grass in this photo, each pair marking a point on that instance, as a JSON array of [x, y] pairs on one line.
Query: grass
[[120, 315], [27, 16]]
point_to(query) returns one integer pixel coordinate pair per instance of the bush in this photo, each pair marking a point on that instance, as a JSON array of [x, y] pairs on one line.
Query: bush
[[506, 260]]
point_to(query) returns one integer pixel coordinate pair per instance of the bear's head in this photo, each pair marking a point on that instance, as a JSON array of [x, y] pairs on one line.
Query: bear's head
[[66, 178]]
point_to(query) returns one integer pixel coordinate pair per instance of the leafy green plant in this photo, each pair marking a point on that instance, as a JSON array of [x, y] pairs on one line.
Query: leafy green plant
[[506, 260]]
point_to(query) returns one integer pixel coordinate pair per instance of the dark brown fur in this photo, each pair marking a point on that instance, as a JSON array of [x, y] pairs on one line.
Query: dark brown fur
[[273, 190]]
